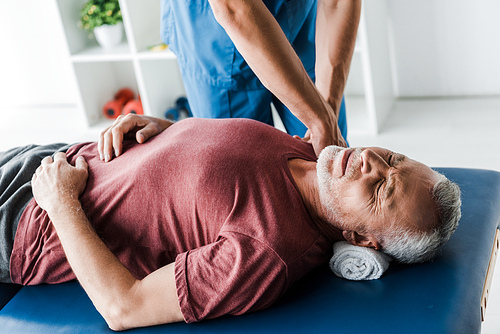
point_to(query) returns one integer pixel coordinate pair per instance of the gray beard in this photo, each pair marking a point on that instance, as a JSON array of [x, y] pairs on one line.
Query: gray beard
[[329, 188]]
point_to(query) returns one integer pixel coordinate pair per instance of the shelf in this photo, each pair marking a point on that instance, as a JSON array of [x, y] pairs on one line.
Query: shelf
[[96, 53], [166, 54], [98, 83], [369, 91], [100, 73], [77, 39], [162, 85], [142, 22]]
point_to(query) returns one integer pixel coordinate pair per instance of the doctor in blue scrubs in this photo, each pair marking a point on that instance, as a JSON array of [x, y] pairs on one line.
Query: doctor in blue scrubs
[[208, 37], [239, 56]]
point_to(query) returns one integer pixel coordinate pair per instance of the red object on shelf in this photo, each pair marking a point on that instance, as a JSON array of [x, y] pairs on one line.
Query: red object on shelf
[[133, 107], [112, 109]]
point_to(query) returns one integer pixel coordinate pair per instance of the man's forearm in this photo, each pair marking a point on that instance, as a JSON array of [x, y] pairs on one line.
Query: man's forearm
[[99, 272], [336, 30], [122, 300]]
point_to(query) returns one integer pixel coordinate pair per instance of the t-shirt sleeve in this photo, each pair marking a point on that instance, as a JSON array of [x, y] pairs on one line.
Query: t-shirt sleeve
[[234, 275]]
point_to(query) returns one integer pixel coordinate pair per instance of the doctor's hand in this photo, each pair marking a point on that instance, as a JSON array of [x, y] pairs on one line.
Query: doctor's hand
[[129, 126], [56, 181], [325, 135]]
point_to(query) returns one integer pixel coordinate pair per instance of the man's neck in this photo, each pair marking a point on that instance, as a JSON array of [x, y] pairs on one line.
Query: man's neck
[[305, 176]]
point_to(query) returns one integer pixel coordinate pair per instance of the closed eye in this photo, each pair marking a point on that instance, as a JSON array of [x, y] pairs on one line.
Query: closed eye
[[390, 162], [379, 187]]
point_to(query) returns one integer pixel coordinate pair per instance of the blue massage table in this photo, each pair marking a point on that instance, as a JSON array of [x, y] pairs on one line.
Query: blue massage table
[[447, 295]]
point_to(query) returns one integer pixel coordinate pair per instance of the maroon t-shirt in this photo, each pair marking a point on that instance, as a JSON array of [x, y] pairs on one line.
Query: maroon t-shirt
[[215, 196]]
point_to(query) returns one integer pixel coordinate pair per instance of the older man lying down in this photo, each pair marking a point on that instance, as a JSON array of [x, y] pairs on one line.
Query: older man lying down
[[214, 217]]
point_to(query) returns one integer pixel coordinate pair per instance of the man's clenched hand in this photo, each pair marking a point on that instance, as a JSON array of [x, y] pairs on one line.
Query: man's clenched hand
[[56, 181]]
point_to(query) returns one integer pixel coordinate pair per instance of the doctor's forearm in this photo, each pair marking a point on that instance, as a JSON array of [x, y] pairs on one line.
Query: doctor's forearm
[[336, 30], [264, 46]]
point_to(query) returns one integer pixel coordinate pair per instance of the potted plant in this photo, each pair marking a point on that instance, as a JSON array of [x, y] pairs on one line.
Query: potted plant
[[103, 19]]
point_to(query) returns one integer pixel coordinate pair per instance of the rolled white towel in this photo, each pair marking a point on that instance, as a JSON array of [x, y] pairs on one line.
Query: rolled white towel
[[358, 263]]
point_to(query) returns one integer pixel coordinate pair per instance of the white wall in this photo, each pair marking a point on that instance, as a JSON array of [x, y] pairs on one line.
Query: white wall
[[34, 68], [441, 47], [446, 47]]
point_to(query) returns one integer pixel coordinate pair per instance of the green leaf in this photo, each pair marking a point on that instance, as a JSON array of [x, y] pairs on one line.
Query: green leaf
[[95, 13]]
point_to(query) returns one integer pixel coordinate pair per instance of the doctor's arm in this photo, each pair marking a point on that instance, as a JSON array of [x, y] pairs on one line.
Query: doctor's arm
[[336, 30], [123, 301], [264, 46]]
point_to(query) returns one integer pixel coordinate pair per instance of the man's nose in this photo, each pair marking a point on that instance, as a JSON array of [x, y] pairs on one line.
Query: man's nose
[[373, 164]]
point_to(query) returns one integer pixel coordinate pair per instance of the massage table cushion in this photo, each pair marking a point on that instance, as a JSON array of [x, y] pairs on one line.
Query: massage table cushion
[[442, 296]]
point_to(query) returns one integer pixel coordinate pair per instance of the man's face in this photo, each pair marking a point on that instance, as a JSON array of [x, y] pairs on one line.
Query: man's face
[[368, 189]]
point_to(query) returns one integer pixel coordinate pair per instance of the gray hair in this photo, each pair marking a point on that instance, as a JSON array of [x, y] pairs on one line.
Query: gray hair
[[408, 246]]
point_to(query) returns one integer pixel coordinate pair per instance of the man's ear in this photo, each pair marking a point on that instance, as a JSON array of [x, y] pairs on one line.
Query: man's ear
[[365, 240]]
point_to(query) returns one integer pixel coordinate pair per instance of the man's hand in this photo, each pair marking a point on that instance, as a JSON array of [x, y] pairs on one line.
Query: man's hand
[[122, 300], [142, 127], [56, 180]]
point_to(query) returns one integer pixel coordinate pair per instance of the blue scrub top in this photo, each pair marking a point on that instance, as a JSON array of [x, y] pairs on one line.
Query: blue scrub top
[[218, 81]]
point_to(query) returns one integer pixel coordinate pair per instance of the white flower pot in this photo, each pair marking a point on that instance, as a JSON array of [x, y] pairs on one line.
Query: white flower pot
[[109, 36]]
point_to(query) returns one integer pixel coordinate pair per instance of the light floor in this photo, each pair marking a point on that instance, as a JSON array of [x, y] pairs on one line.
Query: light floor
[[439, 132]]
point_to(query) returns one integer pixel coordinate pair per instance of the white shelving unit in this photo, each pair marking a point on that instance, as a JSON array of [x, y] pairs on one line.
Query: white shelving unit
[[369, 92], [99, 72]]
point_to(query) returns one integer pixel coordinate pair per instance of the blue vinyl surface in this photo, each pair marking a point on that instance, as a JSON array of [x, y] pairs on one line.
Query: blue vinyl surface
[[7, 291], [443, 296]]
